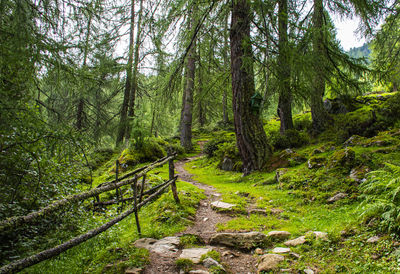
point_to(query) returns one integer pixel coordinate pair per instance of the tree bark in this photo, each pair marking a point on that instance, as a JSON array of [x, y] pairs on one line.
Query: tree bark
[[250, 135], [128, 82], [225, 117], [319, 116], [134, 88], [284, 70], [187, 114]]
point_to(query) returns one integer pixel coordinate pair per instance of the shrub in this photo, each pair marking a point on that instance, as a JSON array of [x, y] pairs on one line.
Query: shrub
[[381, 194], [184, 264], [292, 138]]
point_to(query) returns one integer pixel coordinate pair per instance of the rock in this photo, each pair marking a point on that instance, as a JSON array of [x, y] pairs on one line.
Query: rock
[[269, 262], [353, 141], [284, 270], [337, 197], [209, 262], [227, 164], [165, 246], [258, 251], [134, 271], [276, 211], [321, 235], [222, 205], [216, 194], [295, 242], [278, 235], [373, 239], [316, 162], [279, 173], [317, 151], [246, 240], [257, 211], [280, 250], [308, 271], [198, 271], [145, 243], [205, 219], [358, 174], [294, 255], [194, 254], [335, 106]]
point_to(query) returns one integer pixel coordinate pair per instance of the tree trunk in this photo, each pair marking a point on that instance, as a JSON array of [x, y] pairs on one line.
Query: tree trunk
[[81, 102], [318, 114], [186, 126], [250, 135], [134, 88], [128, 83], [285, 96], [225, 117]]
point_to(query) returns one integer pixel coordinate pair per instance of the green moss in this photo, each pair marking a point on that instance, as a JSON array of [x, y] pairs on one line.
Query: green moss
[[344, 158], [184, 264], [211, 254]]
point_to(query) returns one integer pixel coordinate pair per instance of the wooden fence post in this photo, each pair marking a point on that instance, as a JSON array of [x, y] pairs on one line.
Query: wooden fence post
[[171, 176], [135, 206]]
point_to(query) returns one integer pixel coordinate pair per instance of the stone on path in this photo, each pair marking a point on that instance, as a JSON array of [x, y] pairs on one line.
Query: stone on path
[[164, 246], [194, 254], [281, 250], [373, 239], [134, 271], [259, 251], [246, 240], [269, 262], [295, 242], [308, 271], [210, 262], [198, 271], [279, 235], [222, 205], [145, 243]]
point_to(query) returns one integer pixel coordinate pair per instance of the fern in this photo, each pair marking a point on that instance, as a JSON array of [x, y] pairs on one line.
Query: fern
[[381, 197]]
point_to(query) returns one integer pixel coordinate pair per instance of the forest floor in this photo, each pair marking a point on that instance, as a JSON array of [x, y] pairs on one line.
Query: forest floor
[[204, 227]]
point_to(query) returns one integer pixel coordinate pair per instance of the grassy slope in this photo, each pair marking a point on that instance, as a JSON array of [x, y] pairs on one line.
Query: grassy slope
[[302, 194]]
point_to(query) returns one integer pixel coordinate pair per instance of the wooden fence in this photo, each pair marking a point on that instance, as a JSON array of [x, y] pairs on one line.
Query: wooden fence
[[140, 198]]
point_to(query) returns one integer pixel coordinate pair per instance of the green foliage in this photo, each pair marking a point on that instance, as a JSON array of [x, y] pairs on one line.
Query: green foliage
[[184, 264], [381, 198], [190, 240]]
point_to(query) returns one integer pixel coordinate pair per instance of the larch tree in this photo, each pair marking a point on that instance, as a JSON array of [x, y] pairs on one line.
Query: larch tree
[[187, 103], [250, 135], [284, 69]]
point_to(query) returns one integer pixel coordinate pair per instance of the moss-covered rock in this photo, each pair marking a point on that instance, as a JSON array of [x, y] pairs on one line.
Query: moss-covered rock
[[344, 158], [285, 158], [316, 162]]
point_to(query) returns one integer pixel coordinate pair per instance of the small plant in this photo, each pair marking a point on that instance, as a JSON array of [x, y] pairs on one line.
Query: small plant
[[213, 255], [381, 194], [190, 240], [184, 264]]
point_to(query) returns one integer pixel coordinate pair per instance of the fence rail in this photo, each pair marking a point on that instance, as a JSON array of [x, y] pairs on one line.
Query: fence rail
[[104, 187]]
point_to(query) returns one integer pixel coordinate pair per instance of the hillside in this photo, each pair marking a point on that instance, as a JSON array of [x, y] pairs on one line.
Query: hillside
[[328, 196], [360, 52]]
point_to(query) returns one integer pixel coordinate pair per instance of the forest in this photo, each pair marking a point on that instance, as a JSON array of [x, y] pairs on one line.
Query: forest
[[136, 133]]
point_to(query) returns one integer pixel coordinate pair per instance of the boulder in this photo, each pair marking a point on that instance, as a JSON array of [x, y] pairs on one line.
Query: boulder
[[269, 262], [354, 141], [321, 235], [222, 205], [308, 271], [194, 254], [337, 197], [295, 242], [247, 240], [278, 235], [358, 174]]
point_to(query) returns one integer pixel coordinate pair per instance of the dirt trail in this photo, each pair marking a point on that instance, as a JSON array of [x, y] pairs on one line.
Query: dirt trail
[[204, 226]]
